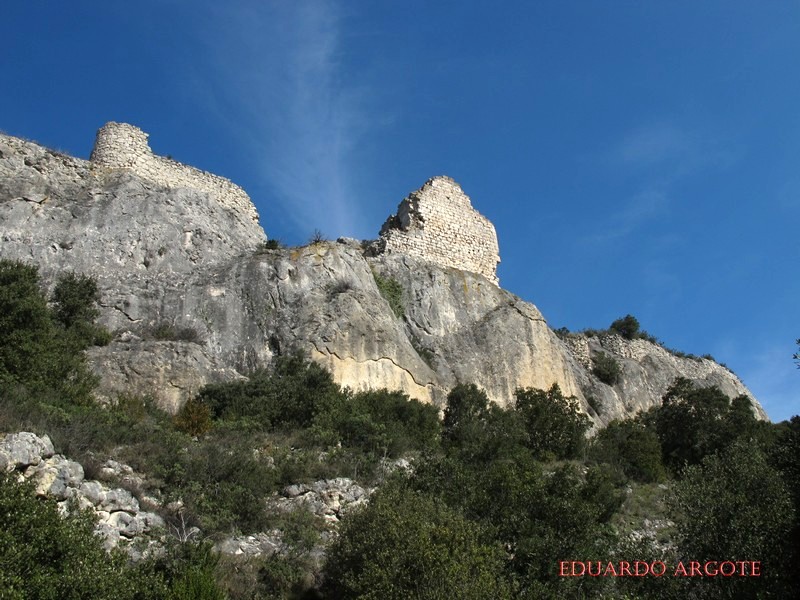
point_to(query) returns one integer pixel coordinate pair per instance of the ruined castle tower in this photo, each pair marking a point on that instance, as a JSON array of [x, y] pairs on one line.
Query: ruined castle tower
[[437, 223], [124, 146]]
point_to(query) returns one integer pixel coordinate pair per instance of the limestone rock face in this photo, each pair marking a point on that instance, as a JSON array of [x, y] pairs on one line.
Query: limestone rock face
[[176, 259], [65, 213]]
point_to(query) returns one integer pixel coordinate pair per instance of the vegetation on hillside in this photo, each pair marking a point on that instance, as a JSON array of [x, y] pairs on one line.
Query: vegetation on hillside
[[496, 500]]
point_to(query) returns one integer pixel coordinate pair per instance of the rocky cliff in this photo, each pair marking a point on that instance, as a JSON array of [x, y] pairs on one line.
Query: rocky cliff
[[194, 296]]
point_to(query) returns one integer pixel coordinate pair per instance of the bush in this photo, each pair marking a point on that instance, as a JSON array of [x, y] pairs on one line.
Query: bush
[[694, 422], [167, 332], [478, 432], [555, 424], [735, 505], [43, 555], [407, 545], [287, 397], [380, 422], [627, 327], [606, 368], [392, 292], [273, 244], [632, 448], [194, 418], [42, 349]]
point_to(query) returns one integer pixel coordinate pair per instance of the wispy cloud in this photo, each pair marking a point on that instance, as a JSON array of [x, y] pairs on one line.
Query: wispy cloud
[[278, 80], [646, 205], [773, 378], [672, 150]]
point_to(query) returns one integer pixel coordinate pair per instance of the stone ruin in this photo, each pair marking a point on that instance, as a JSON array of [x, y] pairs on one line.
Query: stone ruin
[[437, 223], [124, 146]]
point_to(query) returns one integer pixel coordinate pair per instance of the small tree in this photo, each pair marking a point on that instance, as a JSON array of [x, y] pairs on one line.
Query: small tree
[[555, 424], [409, 545], [735, 505], [606, 368], [627, 327]]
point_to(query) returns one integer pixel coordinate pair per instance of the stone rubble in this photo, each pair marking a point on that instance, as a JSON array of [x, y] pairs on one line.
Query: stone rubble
[[120, 517], [329, 499]]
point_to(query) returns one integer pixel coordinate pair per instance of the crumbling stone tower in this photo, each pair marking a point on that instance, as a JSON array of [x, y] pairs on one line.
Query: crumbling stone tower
[[124, 146], [437, 223]]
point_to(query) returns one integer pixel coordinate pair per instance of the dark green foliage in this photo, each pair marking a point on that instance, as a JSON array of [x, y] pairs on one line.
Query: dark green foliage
[[478, 432], [784, 455], [796, 355], [273, 244], [302, 395], [74, 308], [41, 349], [288, 397], [43, 555], [555, 424], [192, 570], [222, 483], [74, 299], [606, 368], [409, 545], [627, 327], [596, 404], [380, 422], [735, 505], [538, 513], [167, 332], [631, 447], [694, 422], [392, 292]]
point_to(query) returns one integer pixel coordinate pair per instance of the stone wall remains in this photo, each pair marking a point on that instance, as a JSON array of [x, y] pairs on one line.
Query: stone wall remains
[[437, 223], [124, 146]]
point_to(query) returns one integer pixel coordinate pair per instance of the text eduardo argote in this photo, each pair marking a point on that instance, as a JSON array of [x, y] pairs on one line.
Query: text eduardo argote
[[641, 568]]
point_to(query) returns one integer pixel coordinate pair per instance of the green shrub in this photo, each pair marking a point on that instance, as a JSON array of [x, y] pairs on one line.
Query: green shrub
[[380, 422], [392, 292], [555, 424], [273, 244], [42, 349], [694, 422], [479, 432], [596, 404], [287, 397], [43, 555], [606, 368], [631, 447], [167, 332], [407, 545], [627, 327]]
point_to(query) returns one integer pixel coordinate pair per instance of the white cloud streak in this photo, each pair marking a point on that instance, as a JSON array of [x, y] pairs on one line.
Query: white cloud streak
[[278, 81]]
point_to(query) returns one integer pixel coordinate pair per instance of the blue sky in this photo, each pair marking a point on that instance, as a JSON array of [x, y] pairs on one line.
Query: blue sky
[[635, 157]]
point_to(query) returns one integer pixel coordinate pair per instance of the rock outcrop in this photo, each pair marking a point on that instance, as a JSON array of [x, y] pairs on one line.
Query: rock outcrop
[[119, 514], [177, 259]]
